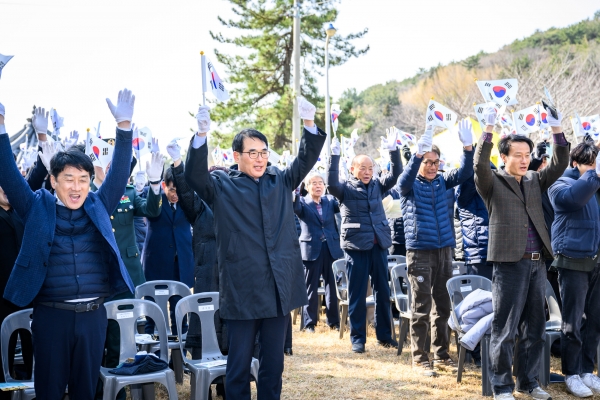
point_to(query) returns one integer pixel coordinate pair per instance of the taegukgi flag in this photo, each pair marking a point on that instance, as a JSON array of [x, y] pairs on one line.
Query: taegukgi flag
[[527, 120], [213, 80], [503, 91], [440, 115]]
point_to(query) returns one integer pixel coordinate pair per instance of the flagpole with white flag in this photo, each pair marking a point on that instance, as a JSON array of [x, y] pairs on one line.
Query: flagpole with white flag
[[203, 60]]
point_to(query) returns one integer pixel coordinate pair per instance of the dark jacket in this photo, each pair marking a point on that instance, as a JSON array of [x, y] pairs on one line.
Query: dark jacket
[[428, 221], [473, 220], [38, 210], [122, 220], [315, 226], [259, 257], [206, 272], [396, 224], [141, 224], [169, 235], [576, 227], [363, 217]]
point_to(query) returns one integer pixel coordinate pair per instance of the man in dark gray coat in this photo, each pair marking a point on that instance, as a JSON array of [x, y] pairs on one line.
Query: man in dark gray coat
[[261, 278]]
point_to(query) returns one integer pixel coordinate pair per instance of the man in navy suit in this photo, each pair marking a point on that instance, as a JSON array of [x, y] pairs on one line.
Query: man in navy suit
[[168, 251], [320, 247], [69, 260]]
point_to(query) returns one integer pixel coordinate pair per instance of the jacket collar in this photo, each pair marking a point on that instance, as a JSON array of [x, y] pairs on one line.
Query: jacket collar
[[313, 205], [514, 185]]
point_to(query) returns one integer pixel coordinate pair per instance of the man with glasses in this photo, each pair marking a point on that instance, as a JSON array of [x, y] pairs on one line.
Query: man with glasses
[[428, 230], [518, 246], [261, 277]]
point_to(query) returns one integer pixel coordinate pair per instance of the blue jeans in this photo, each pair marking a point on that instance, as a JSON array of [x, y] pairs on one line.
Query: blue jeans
[[518, 294]]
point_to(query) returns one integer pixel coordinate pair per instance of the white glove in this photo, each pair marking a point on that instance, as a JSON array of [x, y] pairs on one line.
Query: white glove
[[554, 121], [72, 139], [335, 147], [545, 135], [489, 114], [140, 180], [48, 151], [40, 121], [154, 168], [306, 109], [390, 142], [174, 150], [2, 110], [155, 148], [203, 118], [465, 132], [425, 143], [123, 111], [598, 164]]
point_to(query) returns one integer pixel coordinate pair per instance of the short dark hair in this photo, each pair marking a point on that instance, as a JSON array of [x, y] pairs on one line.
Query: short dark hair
[[584, 153], [72, 157], [238, 140], [436, 150], [79, 146], [168, 177], [505, 142]]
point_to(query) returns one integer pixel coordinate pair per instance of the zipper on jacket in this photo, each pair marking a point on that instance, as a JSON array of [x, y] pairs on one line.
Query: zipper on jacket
[[437, 225]]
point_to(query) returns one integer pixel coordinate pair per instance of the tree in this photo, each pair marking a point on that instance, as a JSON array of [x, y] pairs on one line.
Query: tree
[[261, 95]]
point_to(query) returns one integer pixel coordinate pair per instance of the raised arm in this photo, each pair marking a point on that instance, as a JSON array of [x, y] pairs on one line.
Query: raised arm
[[560, 154], [113, 187], [334, 186], [484, 177], [12, 182], [389, 181], [570, 198], [190, 203], [455, 177], [408, 176], [299, 205]]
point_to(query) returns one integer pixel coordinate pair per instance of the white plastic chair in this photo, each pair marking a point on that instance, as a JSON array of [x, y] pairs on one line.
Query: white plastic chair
[[213, 363], [402, 301], [18, 320]]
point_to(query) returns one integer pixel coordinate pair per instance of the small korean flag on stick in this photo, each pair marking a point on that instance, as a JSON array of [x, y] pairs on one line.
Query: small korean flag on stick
[[440, 115], [589, 125], [99, 151], [3, 61], [502, 91], [527, 120], [335, 113], [142, 141], [212, 81]]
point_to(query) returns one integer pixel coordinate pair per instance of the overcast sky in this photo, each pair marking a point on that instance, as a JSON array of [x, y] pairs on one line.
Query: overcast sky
[[71, 55]]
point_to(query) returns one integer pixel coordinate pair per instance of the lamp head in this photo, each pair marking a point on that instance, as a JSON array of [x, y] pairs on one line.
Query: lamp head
[[330, 30]]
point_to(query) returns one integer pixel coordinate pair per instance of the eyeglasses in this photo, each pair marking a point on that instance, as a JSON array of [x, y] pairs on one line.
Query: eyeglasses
[[431, 163], [254, 154]]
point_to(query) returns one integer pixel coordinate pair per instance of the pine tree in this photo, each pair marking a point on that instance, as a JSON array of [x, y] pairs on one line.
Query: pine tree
[[259, 83]]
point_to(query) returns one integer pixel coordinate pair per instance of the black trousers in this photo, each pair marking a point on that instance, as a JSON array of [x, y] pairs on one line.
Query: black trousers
[[68, 348], [242, 334], [312, 272], [580, 320]]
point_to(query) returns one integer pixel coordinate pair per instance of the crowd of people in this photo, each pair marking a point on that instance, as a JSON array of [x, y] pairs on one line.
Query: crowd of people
[[76, 235]]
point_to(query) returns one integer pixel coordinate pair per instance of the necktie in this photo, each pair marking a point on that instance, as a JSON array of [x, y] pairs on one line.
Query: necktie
[[172, 207]]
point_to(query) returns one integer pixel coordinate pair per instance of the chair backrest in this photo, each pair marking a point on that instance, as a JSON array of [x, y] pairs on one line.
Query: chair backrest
[[395, 260], [204, 305], [461, 286], [555, 321], [400, 271], [161, 292], [15, 321], [125, 313], [458, 268], [340, 273]]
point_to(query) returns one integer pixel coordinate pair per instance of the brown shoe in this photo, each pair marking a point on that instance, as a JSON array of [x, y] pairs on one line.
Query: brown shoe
[[447, 365], [425, 368]]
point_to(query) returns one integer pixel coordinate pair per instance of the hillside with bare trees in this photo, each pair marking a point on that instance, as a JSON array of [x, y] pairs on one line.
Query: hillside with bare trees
[[566, 61]]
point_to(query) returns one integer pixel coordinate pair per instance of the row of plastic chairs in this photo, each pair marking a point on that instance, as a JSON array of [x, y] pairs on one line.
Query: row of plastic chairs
[[207, 370]]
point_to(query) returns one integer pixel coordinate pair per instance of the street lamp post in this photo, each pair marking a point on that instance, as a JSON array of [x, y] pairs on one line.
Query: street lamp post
[[330, 31]]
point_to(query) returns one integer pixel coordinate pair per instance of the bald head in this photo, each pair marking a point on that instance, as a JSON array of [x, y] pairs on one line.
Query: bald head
[[362, 168]]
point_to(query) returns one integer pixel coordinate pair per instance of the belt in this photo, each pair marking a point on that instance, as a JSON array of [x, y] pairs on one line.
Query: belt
[[77, 307], [532, 256]]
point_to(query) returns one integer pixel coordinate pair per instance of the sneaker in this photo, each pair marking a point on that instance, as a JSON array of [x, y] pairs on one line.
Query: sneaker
[[503, 396], [447, 365], [537, 393], [388, 343], [358, 347], [426, 369], [591, 381]]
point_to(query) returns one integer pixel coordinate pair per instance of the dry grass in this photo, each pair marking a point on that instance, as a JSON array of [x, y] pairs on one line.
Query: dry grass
[[323, 367]]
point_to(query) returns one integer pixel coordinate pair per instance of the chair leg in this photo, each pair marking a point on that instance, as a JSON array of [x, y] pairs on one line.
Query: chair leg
[[404, 330], [148, 391], [392, 321], [461, 362], [343, 320], [486, 383], [177, 359]]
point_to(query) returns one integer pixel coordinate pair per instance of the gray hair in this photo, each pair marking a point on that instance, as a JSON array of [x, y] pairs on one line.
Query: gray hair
[[313, 174]]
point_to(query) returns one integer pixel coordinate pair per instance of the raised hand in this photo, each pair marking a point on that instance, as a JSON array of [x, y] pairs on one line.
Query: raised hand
[[174, 150], [306, 109], [48, 151], [425, 143], [390, 141], [154, 168], [335, 147], [465, 132], [489, 114], [203, 118], [40, 121], [72, 139], [123, 111], [155, 148]]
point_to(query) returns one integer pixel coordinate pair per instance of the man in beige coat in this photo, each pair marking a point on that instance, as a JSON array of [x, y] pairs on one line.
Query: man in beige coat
[[518, 246]]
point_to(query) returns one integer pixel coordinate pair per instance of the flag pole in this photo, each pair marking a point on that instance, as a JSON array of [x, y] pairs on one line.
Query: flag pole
[[203, 58]]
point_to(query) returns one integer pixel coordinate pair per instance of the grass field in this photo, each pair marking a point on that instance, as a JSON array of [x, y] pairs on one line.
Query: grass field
[[323, 367]]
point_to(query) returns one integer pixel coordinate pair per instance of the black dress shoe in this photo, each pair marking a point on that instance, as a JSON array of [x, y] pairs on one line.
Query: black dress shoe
[[309, 328], [288, 351], [388, 343], [335, 327], [358, 347]]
